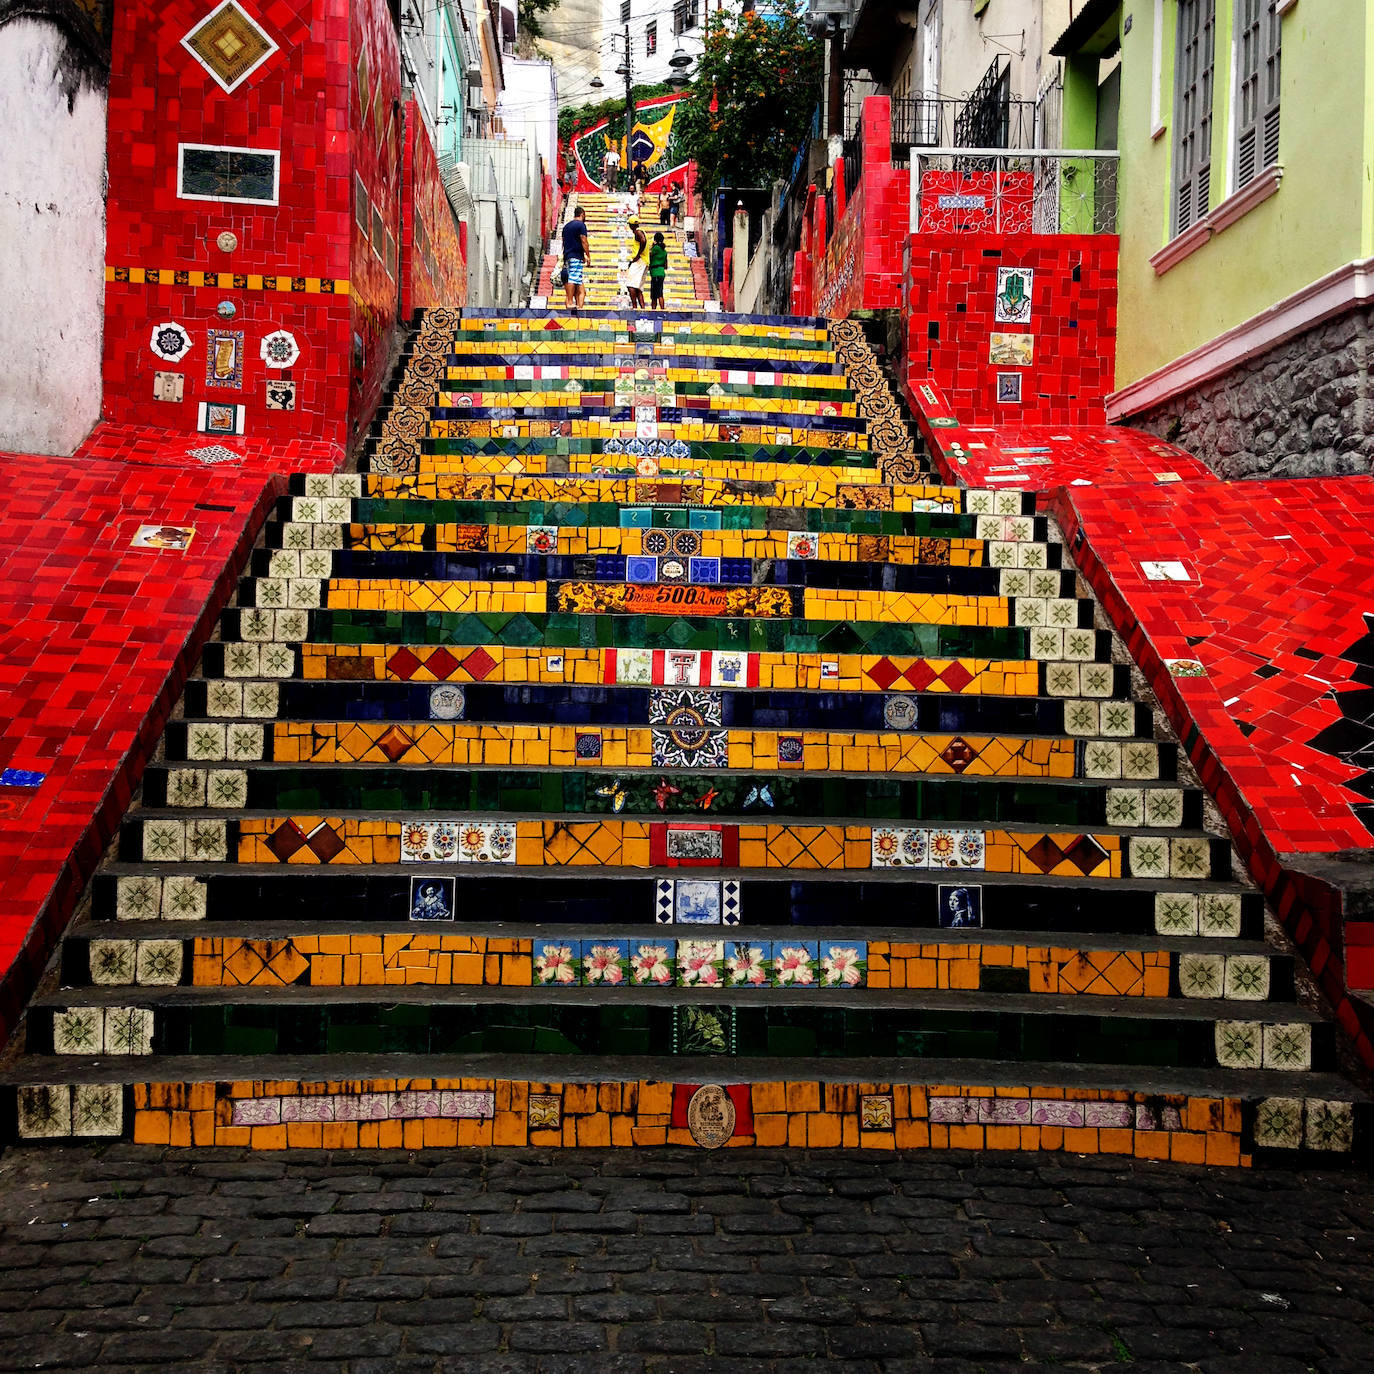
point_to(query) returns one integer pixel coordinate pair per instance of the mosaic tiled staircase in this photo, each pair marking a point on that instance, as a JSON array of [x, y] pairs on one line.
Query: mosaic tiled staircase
[[643, 750], [612, 244]]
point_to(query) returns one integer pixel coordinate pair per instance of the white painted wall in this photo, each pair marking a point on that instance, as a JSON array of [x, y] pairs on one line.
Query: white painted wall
[[529, 105], [1021, 30], [52, 243]]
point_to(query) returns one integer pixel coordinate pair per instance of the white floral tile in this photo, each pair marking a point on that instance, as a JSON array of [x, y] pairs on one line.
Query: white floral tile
[[164, 841], [1190, 857], [128, 1030], [112, 962], [223, 698], [1330, 1125], [227, 788], [1239, 1045], [1247, 977], [138, 898], [1201, 975], [45, 1113], [183, 899], [97, 1109], [159, 962], [1175, 913], [78, 1030], [1219, 913], [1288, 1047], [1278, 1123]]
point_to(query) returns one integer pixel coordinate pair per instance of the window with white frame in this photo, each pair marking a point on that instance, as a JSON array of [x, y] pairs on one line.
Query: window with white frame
[[1195, 58], [651, 38], [1258, 30]]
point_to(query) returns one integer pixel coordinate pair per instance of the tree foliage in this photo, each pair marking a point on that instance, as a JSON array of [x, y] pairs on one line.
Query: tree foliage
[[763, 72], [529, 14]]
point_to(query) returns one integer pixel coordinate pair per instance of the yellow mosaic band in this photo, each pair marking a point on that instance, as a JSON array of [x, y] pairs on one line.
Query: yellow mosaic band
[[626, 598], [639, 1112], [227, 281], [405, 960], [637, 844], [903, 550]]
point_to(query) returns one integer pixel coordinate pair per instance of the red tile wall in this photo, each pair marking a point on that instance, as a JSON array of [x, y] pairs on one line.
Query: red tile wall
[[161, 96], [435, 270], [949, 320], [299, 101], [376, 135]]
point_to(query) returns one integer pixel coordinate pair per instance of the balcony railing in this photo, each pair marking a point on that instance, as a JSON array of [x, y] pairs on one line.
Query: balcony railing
[[993, 191]]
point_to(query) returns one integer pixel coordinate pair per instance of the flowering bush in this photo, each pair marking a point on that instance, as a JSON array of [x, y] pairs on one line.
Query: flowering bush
[[751, 103]]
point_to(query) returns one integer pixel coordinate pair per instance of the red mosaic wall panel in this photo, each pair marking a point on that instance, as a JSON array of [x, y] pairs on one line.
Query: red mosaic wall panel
[[99, 638], [375, 139], [435, 270], [859, 264], [161, 97], [950, 319]]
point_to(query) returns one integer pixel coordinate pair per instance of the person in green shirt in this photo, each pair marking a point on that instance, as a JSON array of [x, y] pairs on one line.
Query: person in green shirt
[[658, 270]]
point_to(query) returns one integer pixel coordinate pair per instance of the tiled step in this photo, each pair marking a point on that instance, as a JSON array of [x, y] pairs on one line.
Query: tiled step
[[791, 1021], [267, 954], [616, 705], [947, 801], [624, 843], [910, 899], [406, 1101], [268, 588]]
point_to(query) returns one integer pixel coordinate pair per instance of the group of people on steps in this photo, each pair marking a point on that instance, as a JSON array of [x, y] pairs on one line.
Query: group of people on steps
[[577, 256]]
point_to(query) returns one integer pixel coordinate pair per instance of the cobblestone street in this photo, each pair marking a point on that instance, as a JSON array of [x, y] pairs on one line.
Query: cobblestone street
[[675, 1261]]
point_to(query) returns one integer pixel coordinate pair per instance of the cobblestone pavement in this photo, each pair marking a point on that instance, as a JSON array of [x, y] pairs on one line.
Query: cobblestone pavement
[[676, 1261]]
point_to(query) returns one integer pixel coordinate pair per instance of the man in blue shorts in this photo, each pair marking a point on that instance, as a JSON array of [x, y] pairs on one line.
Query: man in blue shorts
[[575, 258]]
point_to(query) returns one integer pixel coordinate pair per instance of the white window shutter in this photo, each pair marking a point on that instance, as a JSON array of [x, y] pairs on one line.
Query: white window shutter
[[1195, 54]]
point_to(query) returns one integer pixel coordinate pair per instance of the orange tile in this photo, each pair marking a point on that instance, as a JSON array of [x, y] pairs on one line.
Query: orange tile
[[1187, 1148], [1116, 1140], [803, 1097], [1222, 1148], [823, 1131]]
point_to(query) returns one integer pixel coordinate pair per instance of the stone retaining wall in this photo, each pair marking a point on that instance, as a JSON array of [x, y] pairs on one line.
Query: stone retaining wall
[[1301, 410]]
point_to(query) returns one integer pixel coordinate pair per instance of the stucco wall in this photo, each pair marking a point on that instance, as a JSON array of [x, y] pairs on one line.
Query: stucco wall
[[1312, 225], [52, 223]]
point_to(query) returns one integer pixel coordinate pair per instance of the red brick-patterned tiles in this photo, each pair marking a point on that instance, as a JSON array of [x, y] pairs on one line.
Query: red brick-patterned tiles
[[1029, 457], [376, 136], [434, 271], [95, 642], [950, 318], [1277, 578]]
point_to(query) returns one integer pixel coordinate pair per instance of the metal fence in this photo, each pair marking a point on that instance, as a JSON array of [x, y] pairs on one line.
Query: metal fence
[[937, 122], [991, 190]]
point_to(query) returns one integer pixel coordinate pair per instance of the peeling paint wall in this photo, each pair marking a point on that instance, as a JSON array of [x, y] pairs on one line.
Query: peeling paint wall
[[52, 223]]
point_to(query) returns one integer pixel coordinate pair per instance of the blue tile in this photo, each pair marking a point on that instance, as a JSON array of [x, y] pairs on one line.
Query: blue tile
[[641, 568], [697, 902], [703, 570], [20, 777]]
